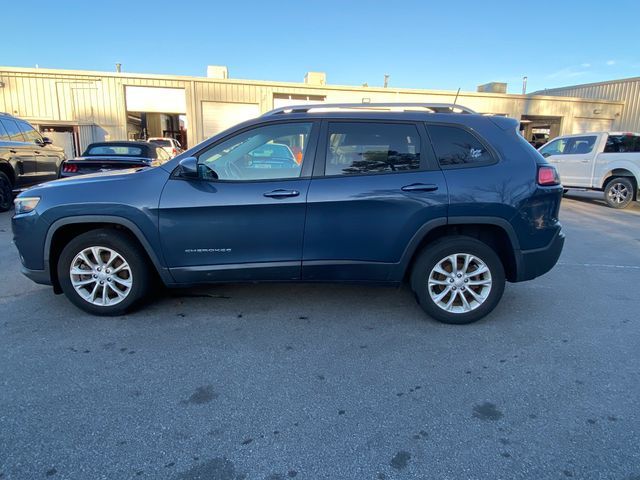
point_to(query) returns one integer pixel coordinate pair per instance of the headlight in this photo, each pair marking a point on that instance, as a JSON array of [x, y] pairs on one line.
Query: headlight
[[26, 204]]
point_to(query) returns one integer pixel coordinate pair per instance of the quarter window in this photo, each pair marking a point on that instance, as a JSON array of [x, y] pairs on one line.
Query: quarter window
[[360, 148], [263, 153], [455, 146], [4, 136]]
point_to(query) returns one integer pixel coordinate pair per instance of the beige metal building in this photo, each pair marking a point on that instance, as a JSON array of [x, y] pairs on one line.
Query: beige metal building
[[626, 90], [79, 107]]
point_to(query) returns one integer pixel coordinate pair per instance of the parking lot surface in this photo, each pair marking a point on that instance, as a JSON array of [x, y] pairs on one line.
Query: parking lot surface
[[333, 381]]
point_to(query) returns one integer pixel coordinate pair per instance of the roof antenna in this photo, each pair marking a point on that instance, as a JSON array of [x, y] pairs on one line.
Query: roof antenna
[[456, 99]]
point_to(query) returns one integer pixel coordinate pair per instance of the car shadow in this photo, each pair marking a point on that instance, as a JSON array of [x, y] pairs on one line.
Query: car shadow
[[595, 198]]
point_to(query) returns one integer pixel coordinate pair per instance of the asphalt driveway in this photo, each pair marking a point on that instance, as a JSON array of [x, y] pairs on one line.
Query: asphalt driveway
[[333, 381]]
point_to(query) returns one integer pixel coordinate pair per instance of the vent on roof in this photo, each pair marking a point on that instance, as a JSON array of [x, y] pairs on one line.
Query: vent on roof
[[217, 71], [315, 78]]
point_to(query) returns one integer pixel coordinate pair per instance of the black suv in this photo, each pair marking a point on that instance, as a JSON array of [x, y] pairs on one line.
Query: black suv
[[26, 158], [452, 202]]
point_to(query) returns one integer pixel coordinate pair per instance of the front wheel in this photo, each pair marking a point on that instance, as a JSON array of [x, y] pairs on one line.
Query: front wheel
[[104, 272], [458, 279], [619, 192]]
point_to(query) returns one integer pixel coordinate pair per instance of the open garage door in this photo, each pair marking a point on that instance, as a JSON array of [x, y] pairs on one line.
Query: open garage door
[[584, 125], [218, 116]]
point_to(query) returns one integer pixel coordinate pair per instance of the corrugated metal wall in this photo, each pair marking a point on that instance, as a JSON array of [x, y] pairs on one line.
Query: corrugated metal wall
[[78, 97], [627, 91]]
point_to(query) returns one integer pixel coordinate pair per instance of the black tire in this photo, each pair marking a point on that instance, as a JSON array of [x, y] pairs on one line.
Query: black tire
[[619, 192], [125, 246], [6, 193], [436, 252]]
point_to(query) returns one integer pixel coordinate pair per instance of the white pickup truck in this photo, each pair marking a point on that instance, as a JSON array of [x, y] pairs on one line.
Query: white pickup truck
[[604, 161]]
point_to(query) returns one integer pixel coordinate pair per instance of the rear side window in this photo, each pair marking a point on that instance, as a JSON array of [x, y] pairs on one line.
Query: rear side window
[[12, 129], [457, 147], [361, 148], [622, 144]]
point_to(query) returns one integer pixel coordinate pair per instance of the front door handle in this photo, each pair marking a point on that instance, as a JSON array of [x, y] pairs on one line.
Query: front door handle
[[13, 151], [420, 187], [282, 193]]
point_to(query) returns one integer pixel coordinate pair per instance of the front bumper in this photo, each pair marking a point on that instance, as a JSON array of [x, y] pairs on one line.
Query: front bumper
[[533, 263]]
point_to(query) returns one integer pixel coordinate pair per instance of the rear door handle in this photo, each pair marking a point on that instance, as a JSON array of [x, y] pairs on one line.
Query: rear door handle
[[13, 151], [420, 187], [37, 152], [282, 193]]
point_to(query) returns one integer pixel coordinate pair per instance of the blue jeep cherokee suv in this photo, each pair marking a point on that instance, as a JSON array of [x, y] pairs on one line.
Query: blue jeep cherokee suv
[[453, 202]]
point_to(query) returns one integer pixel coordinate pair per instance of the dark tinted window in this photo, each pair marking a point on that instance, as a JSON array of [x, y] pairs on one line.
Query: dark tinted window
[[622, 144], [356, 148], [455, 146], [162, 143], [12, 129], [30, 134]]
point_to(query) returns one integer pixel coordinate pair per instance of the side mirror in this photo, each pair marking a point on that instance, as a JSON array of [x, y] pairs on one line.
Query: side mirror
[[188, 168], [47, 141]]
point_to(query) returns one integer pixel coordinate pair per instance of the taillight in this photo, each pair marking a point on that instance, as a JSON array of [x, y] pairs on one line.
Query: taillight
[[547, 175], [70, 168]]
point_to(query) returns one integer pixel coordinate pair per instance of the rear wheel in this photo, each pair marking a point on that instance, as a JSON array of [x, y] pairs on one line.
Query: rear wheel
[[6, 193], [619, 192], [104, 272], [458, 279]]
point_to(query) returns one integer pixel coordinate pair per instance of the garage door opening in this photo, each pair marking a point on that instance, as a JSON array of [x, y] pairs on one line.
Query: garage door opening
[[538, 130], [156, 112]]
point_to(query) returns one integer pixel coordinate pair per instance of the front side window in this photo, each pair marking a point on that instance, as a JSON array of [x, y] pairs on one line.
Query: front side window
[[11, 127], [569, 146], [263, 153], [554, 148], [455, 147], [360, 148], [29, 133]]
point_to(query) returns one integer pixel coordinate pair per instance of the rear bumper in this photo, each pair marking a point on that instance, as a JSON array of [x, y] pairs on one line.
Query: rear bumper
[[533, 263]]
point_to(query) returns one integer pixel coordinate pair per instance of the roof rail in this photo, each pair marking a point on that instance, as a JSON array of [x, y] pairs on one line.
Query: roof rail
[[431, 107]]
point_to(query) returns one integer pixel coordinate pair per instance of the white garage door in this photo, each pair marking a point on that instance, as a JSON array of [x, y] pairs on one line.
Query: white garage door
[[218, 116], [287, 102], [584, 125], [155, 99]]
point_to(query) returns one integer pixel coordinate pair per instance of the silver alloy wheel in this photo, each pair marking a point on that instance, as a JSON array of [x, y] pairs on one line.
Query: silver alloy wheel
[[459, 283], [618, 193], [101, 276]]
